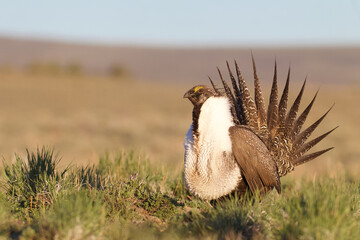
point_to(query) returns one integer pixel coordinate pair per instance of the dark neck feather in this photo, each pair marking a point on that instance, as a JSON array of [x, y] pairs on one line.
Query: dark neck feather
[[195, 118]]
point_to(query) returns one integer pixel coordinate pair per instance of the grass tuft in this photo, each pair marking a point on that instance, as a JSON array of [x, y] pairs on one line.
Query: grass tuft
[[34, 183]]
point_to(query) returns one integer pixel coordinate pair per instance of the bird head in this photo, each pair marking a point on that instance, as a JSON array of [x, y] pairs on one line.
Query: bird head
[[199, 94]]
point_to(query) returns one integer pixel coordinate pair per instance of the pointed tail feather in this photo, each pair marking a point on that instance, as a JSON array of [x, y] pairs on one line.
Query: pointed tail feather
[[272, 117], [290, 119], [234, 107], [309, 157], [259, 100], [213, 85], [238, 98], [248, 103], [300, 121], [226, 86], [307, 146], [283, 105], [233, 82], [304, 135]]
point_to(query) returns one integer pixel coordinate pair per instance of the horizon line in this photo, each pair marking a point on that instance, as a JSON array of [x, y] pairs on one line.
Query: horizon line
[[174, 45]]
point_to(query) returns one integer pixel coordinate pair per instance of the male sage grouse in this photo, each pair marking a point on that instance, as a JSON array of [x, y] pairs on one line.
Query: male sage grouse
[[234, 144]]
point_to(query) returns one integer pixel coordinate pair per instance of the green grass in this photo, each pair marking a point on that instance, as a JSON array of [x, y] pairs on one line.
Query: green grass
[[124, 197]]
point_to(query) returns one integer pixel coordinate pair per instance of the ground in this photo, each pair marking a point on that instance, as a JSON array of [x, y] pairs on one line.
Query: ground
[[123, 140]]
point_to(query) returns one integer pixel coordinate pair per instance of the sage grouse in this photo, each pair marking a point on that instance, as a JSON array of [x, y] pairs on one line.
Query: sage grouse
[[235, 144]]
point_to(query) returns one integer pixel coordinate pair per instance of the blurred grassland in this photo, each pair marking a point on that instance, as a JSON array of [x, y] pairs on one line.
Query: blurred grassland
[[83, 117]]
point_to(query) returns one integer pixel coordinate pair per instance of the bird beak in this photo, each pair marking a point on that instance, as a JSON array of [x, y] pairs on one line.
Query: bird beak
[[187, 94]]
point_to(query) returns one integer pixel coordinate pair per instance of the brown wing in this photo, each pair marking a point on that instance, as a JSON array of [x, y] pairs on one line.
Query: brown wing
[[256, 164]]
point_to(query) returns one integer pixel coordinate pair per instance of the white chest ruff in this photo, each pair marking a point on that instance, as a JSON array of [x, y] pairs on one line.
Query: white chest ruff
[[210, 168]]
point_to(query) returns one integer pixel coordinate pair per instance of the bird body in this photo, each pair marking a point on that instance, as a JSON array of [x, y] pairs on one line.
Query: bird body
[[234, 144], [210, 168]]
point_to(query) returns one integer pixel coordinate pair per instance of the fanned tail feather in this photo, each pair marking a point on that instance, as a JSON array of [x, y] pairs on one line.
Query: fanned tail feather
[[304, 135], [283, 105], [238, 98], [280, 130], [249, 107], [301, 120], [234, 106], [214, 87], [290, 119], [309, 157], [307, 146], [272, 117], [259, 100]]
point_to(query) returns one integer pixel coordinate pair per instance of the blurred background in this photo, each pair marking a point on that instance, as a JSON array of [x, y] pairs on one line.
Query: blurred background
[[90, 77]]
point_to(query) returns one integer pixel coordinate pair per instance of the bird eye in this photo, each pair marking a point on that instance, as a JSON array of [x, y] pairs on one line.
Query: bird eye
[[197, 88]]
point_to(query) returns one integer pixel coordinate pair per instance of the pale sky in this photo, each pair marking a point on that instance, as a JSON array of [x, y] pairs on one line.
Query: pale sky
[[186, 22]]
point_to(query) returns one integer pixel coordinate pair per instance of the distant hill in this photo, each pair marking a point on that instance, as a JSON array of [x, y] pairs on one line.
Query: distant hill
[[324, 65]]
